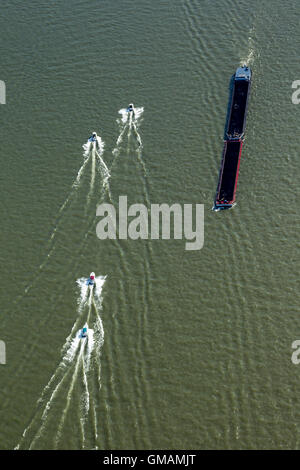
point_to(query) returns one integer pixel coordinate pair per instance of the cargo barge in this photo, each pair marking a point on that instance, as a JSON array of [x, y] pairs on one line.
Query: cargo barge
[[235, 130]]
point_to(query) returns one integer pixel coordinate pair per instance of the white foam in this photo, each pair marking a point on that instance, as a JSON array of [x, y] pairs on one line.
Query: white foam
[[69, 393], [71, 351], [137, 135], [76, 352], [92, 181], [100, 145], [100, 280], [103, 166], [90, 347], [249, 58], [83, 292], [87, 147], [138, 112], [124, 114]]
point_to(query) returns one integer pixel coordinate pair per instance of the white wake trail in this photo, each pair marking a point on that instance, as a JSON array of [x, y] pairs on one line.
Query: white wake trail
[[68, 352], [50, 247], [93, 175], [67, 358], [69, 395], [74, 187], [85, 404], [249, 58], [75, 352], [103, 167], [120, 137], [84, 293], [138, 137], [87, 147], [125, 115], [125, 124], [85, 399]]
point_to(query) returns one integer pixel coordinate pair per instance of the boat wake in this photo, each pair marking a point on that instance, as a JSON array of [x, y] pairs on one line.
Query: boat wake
[[128, 125], [125, 115], [73, 381], [93, 154], [94, 151], [250, 56]]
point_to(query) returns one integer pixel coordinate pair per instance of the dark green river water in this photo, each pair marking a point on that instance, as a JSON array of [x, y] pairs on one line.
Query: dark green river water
[[186, 349]]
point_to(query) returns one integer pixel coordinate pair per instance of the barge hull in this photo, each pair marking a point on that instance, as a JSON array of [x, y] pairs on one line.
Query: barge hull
[[238, 111], [228, 174]]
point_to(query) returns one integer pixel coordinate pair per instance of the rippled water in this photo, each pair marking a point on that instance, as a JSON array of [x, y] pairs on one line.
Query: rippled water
[[189, 350]]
